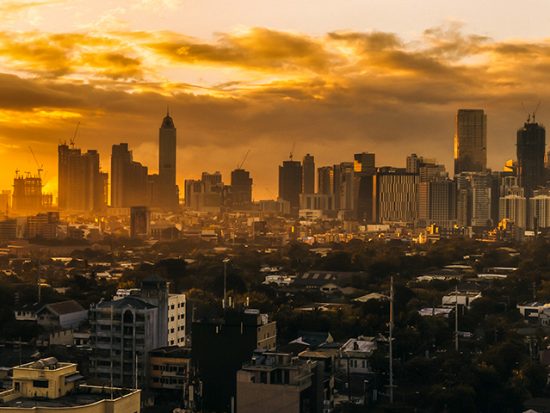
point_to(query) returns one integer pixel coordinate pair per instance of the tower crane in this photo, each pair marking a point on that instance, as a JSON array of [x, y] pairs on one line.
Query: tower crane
[[39, 167], [239, 166]]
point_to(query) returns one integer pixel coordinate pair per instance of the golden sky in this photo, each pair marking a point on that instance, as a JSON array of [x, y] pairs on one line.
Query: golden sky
[[333, 77]]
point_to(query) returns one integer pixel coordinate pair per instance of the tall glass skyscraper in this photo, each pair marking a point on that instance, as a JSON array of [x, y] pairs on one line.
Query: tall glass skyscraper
[[470, 142]]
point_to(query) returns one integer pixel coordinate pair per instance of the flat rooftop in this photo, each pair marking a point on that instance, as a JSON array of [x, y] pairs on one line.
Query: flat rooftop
[[78, 398]]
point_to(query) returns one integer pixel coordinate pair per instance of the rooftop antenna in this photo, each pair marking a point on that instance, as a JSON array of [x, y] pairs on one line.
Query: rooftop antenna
[[167, 110], [244, 160], [71, 142]]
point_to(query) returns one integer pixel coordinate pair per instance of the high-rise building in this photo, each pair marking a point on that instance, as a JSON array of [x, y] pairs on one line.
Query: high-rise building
[[206, 194], [365, 181], [290, 183], [539, 205], [80, 181], [241, 188], [308, 177], [27, 193], [325, 180], [531, 146], [413, 163], [126, 329], [396, 192], [437, 203], [474, 199], [470, 141], [167, 164], [344, 187], [513, 207], [128, 179]]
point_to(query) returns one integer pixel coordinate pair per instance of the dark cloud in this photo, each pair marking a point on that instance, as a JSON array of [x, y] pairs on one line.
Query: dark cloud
[[332, 95]]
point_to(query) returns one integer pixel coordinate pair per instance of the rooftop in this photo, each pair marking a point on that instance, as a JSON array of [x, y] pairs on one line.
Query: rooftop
[[83, 396]]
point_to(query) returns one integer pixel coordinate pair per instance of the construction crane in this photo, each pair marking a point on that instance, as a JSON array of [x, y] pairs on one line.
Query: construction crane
[[292, 150], [39, 167], [531, 116], [239, 166], [71, 142]]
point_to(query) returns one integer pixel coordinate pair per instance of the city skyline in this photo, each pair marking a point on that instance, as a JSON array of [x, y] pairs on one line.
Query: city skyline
[[334, 87]]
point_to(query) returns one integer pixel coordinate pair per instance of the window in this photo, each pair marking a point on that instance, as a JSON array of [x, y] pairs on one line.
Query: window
[[42, 384]]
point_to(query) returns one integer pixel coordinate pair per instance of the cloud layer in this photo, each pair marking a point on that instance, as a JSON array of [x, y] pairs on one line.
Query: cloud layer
[[259, 88]]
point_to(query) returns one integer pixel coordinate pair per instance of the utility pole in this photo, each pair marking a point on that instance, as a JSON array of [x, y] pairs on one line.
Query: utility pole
[[456, 318], [391, 339], [225, 261]]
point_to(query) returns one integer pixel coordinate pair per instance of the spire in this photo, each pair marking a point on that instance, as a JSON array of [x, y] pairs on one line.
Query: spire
[[167, 122]]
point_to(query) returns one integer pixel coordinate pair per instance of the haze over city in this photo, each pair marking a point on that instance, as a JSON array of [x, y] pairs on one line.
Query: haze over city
[[332, 78]]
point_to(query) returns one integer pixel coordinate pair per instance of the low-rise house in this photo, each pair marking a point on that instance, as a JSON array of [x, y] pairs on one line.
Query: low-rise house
[[27, 312], [62, 315], [316, 279], [48, 385], [462, 298]]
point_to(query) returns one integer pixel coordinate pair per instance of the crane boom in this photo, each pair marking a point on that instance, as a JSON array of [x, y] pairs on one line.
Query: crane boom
[[244, 160]]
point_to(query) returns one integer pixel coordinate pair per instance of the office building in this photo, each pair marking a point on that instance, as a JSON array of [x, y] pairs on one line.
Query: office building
[[470, 141], [531, 146], [80, 181], [221, 346], [167, 164], [290, 183], [396, 194], [308, 174], [539, 205], [344, 188], [325, 180], [48, 385], [128, 179], [365, 191]]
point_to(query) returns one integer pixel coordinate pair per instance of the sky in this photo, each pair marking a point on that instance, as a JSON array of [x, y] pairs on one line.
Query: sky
[[330, 78]]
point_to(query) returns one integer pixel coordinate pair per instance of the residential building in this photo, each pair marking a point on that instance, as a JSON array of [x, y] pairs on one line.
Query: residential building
[[47, 385], [275, 382], [61, 315]]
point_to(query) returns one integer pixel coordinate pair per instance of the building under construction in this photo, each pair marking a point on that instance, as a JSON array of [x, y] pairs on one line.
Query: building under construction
[[27, 192]]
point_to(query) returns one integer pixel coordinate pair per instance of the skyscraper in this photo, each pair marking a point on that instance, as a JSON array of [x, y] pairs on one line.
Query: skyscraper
[[241, 188], [531, 145], [128, 179], [167, 164], [325, 180], [290, 183], [470, 141], [308, 171], [80, 181], [365, 182]]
